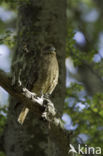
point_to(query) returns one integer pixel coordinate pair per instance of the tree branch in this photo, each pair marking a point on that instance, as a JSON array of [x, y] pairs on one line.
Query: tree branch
[[42, 105]]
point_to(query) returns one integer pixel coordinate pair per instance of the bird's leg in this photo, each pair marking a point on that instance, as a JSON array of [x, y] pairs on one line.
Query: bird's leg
[[42, 96], [32, 95]]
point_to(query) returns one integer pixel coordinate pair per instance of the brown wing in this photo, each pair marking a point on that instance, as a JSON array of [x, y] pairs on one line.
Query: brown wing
[[54, 75], [47, 75]]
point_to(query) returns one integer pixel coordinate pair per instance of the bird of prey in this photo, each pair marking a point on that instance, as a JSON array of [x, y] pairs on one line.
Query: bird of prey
[[47, 77]]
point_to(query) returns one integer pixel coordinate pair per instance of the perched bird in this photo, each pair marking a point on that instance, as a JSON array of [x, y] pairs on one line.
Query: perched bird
[[47, 78]]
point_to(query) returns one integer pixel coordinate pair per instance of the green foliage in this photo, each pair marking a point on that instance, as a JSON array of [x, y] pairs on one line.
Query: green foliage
[[3, 117], [9, 4], [8, 38], [2, 154], [78, 56], [7, 28], [89, 116]]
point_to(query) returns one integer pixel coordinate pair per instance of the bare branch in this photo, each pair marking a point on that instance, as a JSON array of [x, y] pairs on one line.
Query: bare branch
[[42, 105], [23, 95]]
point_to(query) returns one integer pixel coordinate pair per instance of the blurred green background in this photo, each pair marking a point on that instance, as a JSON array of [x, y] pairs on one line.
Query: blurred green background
[[83, 110]]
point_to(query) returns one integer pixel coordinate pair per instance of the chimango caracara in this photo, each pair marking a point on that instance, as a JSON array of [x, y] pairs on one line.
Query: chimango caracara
[[47, 77]]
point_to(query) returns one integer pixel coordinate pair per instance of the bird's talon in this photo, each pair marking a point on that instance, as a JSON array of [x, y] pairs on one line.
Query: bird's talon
[[46, 96], [32, 95]]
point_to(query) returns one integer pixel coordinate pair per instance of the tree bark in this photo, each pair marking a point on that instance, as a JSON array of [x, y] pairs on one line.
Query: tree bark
[[39, 23]]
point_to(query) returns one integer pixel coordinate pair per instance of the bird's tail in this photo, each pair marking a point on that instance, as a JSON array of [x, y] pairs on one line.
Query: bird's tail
[[23, 115]]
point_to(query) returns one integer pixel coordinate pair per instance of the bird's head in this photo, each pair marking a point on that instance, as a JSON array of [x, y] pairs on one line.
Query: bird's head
[[49, 50]]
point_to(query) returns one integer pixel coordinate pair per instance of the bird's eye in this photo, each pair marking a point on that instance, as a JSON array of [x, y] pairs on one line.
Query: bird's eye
[[52, 49], [49, 48]]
